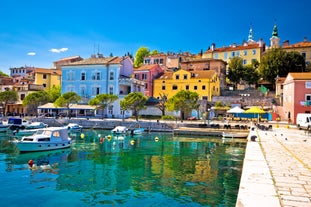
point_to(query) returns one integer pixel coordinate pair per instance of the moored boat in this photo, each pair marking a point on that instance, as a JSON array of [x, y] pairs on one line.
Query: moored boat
[[119, 130], [50, 138], [137, 131], [234, 135], [73, 127]]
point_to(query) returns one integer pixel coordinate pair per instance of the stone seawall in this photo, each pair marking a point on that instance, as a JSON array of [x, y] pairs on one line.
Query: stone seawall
[[108, 124]]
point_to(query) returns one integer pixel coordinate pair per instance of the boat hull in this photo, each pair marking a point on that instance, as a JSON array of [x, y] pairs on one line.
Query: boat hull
[[41, 146]]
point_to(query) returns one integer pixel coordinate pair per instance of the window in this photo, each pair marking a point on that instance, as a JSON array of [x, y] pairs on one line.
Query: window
[[22, 96], [44, 85], [110, 109], [216, 56], [161, 61], [232, 54], [245, 52], [144, 76], [83, 76], [203, 87], [95, 91], [226, 56], [44, 76], [204, 97], [254, 52], [96, 76], [244, 62], [238, 53], [308, 84], [185, 77], [137, 76], [111, 76], [163, 87], [303, 55], [187, 87], [82, 91], [177, 77], [146, 85], [195, 87], [111, 90], [70, 76], [308, 97], [174, 87]]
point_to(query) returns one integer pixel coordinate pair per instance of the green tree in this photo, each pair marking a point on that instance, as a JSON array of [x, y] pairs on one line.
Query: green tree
[[235, 70], [35, 99], [139, 56], [101, 101], [162, 103], [277, 62], [250, 74], [7, 97], [66, 99], [3, 74], [134, 101], [183, 101], [54, 92], [154, 52]]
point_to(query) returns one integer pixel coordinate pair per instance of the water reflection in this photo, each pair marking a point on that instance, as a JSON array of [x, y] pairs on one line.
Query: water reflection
[[147, 170]]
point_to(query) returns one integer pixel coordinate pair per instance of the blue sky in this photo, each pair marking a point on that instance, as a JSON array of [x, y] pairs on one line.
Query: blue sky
[[36, 33]]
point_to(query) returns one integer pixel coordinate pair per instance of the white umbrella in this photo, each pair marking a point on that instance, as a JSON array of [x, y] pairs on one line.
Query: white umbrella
[[235, 110]]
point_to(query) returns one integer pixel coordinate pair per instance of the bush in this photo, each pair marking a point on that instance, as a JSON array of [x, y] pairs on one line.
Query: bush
[[167, 117]]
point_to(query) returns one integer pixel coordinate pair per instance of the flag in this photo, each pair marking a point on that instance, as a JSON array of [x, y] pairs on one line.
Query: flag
[[263, 89]]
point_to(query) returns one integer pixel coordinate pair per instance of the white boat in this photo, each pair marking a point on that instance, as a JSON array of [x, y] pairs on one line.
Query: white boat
[[50, 138], [119, 130], [73, 127], [137, 131], [234, 135], [36, 125]]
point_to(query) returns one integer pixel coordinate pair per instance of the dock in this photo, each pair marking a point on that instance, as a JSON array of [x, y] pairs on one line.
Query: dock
[[277, 169]]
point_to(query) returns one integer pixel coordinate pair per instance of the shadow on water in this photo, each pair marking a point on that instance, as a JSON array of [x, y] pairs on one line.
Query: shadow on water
[[153, 169]]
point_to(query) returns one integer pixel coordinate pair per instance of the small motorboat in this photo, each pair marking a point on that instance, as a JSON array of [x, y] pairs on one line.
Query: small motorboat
[[234, 135], [137, 131], [73, 127], [119, 130], [50, 138]]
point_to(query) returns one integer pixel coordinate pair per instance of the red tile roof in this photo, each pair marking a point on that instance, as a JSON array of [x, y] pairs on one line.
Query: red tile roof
[[297, 45], [146, 67], [98, 61], [234, 48]]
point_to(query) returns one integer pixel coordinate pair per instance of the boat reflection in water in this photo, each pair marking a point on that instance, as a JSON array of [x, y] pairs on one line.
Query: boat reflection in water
[[150, 170]]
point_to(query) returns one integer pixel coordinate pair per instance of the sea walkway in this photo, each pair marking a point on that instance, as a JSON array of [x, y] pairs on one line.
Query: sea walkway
[[277, 169]]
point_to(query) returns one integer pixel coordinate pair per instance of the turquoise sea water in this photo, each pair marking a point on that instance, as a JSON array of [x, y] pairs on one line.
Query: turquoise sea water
[[154, 169]]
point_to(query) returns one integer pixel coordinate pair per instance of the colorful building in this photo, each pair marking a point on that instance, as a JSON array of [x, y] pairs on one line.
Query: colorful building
[[48, 77], [101, 75], [148, 73], [248, 51], [304, 48], [296, 95], [205, 83]]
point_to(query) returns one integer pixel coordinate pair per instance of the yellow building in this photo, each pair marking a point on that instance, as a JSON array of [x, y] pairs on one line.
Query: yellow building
[[48, 77], [248, 51], [304, 48], [205, 83]]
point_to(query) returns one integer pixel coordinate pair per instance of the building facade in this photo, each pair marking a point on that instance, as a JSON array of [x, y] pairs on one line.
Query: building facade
[[304, 48], [296, 95], [147, 73], [48, 77], [205, 83], [101, 75]]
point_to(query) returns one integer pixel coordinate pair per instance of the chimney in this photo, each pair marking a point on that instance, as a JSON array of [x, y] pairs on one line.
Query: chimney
[[305, 39], [286, 43], [213, 47]]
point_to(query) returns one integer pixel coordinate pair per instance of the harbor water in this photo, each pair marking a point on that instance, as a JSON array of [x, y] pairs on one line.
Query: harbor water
[[154, 169]]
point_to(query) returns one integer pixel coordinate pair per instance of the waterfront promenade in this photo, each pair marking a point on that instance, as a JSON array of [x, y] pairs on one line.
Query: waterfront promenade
[[277, 169]]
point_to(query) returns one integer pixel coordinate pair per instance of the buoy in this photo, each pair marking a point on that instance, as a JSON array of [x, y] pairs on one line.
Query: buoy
[[101, 140], [156, 139], [132, 142], [276, 126], [287, 126], [30, 163], [109, 137], [82, 136]]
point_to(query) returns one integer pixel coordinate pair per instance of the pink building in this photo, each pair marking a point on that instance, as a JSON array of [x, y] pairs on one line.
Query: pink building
[[296, 95], [148, 73]]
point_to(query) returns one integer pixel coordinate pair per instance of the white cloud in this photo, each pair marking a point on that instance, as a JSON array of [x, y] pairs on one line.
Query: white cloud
[[31, 53], [64, 49]]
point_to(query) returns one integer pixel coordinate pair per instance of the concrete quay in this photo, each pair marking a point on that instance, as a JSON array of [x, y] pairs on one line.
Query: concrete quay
[[277, 169]]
